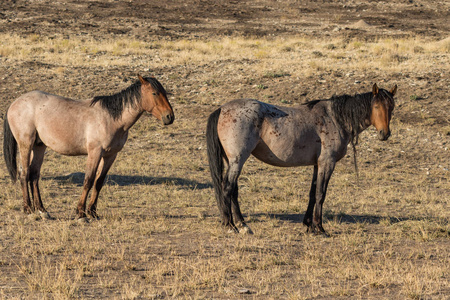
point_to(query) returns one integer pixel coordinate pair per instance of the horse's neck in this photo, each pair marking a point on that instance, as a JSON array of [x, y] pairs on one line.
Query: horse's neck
[[129, 116]]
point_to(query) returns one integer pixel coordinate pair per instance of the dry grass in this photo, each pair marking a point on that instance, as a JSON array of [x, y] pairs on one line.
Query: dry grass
[[295, 56], [159, 236]]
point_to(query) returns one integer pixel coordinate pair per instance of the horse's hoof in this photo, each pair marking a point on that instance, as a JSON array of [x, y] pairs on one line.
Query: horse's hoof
[[323, 233], [232, 229], [246, 230], [94, 216], [45, 215], [317, 230], [83, 220]]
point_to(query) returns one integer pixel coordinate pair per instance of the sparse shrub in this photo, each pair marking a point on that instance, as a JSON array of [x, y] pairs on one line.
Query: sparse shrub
[[418, 49], [357, 44], [278, 74], [317, 54]]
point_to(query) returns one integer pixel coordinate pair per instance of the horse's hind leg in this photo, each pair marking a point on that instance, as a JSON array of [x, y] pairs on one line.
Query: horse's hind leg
[[24, 175], [237, 215], [35, 170], [230, 189]]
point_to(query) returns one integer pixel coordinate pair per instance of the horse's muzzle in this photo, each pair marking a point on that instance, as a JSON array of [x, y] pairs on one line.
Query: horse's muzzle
[[383, 136], [168, 118]]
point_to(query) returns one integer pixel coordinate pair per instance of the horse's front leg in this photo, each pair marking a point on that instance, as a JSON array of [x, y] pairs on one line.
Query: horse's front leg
[[307, 218], [93, 160], [325, 169], [105, 165]]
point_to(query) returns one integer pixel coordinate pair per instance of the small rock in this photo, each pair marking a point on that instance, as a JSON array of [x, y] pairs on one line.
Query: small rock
[[33, 217], [45, 215], [244, 291], [83, 220]]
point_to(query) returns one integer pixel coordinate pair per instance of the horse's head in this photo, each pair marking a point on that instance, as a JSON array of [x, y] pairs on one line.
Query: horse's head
[[382, 107], [154, 100]]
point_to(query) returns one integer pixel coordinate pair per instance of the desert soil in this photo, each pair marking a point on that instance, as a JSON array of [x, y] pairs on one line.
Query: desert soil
[[401, 159]]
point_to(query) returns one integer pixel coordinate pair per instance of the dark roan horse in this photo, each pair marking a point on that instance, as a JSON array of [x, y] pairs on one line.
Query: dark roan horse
[[316, 133], [97, 128]]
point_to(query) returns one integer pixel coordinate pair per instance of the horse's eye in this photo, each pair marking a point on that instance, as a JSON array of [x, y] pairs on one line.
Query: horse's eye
[[154, 94]]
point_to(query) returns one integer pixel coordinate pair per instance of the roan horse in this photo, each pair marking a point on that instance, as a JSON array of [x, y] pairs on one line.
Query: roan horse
[[97, 128], [316, 133]]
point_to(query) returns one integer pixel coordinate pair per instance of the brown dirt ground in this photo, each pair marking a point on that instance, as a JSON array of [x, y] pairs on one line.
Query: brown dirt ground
[[212, 19], [192, 19]]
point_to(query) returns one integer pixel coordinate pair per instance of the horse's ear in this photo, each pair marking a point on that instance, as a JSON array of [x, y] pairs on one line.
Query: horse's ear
[[375, 89], [394, 90], [142, 80]]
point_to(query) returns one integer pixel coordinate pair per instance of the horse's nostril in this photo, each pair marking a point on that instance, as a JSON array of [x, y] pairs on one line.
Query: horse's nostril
[[168, 119]]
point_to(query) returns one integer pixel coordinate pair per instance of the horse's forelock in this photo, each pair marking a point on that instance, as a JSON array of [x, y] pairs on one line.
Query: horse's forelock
[[387, 97], [157, 85]]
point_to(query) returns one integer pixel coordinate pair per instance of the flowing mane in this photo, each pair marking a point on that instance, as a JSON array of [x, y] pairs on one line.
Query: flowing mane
[[116, 103], [352, 111]]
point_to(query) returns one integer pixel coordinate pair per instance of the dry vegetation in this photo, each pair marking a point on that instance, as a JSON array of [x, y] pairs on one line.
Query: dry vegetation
[[159, 235]]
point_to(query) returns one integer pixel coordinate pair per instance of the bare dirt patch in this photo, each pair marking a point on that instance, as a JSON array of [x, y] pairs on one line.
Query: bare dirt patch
[[160, 236]]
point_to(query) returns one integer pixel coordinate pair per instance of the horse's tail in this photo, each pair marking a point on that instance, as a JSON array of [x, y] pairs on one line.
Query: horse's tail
[[215, 157], [9, 149]]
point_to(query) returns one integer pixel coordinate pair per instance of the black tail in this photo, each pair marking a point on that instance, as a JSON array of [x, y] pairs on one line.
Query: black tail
[[215, 157], [9, 150]]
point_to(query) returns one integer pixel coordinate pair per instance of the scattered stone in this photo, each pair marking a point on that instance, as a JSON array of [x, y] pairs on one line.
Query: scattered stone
[[244, 291], [83, 220], [246, 230], [45, 215], [33, 217]]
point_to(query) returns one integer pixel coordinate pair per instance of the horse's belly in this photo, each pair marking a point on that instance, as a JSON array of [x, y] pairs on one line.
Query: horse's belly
[[287, 154], [66, 140], [64, 145]]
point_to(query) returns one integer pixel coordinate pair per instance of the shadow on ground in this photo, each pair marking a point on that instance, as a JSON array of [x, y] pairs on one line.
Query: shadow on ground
[[125, 180], [340, 218]]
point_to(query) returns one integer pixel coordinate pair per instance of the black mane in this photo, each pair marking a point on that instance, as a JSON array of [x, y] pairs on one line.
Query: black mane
[[116, 103], [352, 111]]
